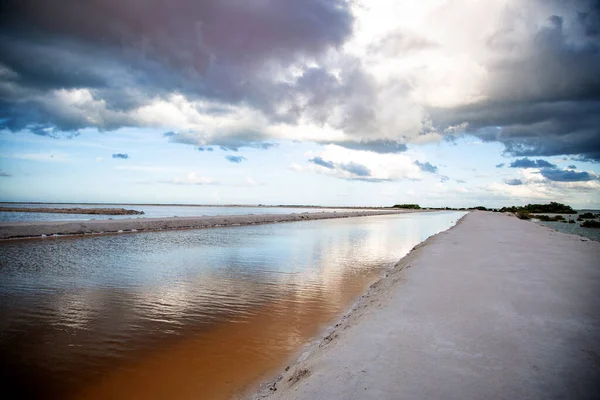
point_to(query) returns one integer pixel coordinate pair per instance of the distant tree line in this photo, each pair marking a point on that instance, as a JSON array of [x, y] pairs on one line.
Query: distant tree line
[[407, 206], [552, 208]]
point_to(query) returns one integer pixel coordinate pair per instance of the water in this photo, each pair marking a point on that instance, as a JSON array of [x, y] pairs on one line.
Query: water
[[573, 229], [185, 314], [150, 211]]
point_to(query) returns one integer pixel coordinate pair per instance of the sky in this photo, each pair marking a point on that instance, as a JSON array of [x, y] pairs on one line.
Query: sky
[[326, 102]]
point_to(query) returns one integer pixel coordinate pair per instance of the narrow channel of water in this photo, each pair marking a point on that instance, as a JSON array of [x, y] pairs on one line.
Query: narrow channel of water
[[184, 314]]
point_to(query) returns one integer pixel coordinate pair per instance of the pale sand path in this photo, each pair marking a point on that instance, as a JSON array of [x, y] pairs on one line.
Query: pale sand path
[[32, 229], [495, 308]]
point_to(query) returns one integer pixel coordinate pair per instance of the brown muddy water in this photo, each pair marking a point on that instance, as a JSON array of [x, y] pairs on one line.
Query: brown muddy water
[[201, 314]]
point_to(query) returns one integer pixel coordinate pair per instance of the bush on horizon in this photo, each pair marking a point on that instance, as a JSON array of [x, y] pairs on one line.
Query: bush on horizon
[[523, 215], [408, 206]]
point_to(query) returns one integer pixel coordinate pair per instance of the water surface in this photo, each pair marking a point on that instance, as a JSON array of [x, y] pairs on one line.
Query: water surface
[[184, 314]]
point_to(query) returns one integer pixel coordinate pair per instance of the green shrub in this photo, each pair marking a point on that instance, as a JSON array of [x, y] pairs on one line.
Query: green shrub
[[590, 224], [547, 218], [587, 215], [523, 215]]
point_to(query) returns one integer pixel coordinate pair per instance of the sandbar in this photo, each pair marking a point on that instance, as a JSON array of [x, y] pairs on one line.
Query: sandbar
[[494, 308], [26, 229], [73, 210]]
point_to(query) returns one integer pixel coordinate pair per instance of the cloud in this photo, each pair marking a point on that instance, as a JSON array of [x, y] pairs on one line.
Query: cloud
[[566, 175], [382, 146], [514, 182], [572, 166], [400, 42], [295, 167], [100, 159], [4, 174], [204, 148], [356, 169], [322, 163], [219, 52], [426, 167], [248, 74], [235, 159], [527, 163], [500, 165], [365, 165], [542, 91], [444, 178], [122, 156], [191, 178]]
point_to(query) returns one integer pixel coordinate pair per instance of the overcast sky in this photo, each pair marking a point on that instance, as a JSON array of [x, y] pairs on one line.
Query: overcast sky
[[366, 102]]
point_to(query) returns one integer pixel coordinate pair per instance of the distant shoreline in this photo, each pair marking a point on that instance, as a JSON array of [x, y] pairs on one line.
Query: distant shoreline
[[41, 229], [77, 210]]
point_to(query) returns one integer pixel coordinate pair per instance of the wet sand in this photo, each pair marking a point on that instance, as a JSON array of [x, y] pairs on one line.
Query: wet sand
[[19, 230], [494, 308]]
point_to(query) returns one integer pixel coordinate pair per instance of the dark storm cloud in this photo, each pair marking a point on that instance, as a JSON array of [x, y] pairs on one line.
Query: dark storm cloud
[[544, 99], [356, 169], [426, 167], [322, 163], [187, 33], [572, 167], [235, 159], [514, 182], [527, 163], [127, 53], [121, 156], [566, 175]]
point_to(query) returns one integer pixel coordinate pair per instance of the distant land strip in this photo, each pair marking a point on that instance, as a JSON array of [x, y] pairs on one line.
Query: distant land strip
[[77, 210], [41, 229]]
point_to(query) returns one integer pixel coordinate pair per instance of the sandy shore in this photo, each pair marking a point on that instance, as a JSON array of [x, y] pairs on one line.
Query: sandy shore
[[495, 308], [17, 230]]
